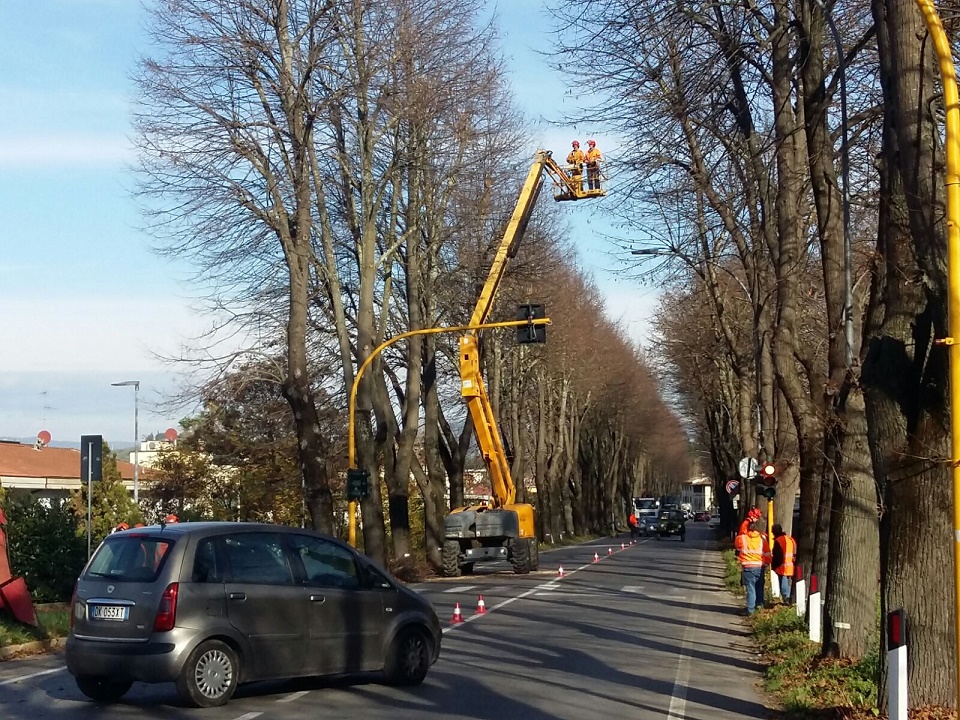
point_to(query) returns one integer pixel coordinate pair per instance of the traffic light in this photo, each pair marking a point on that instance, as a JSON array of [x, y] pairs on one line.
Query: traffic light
[[531, 333], [768, 479], [358, 484]]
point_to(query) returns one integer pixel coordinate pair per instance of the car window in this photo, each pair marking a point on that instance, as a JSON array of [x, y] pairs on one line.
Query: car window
[[326, 564], [257, 558], [207, 566], [129, 559]]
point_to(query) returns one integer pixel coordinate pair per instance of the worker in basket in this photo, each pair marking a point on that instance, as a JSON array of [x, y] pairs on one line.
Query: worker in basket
[[575, 162]]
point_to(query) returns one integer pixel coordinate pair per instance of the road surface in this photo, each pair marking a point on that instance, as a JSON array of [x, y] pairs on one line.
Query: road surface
[[646, 632]]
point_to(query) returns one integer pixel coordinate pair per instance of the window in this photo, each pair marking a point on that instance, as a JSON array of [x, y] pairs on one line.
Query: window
[[257, 558], [326, 564], [206, 564], [130, 559]]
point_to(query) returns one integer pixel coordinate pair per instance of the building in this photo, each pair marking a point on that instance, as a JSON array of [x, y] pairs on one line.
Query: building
[[46, 472], [699, 493]]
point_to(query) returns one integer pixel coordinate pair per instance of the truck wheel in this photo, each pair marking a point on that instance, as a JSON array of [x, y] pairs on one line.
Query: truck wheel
[[534, 554], [451, 558], [520, 555]]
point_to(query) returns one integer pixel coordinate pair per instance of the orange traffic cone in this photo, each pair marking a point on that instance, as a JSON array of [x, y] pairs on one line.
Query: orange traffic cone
[[560, 571], [596, 558], [457, 615], [481, 606]]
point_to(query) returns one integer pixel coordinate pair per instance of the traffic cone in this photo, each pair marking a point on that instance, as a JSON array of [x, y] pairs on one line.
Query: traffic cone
[[596, 558], [481, 606], [622, 546], [609, 551], [457, 615], [560, 571]]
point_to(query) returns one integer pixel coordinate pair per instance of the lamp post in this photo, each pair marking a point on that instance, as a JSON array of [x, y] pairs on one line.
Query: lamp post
[[136, 434]]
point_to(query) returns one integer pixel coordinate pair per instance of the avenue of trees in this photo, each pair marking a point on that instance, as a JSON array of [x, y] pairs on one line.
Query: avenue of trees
[[731, 172], [335, 176]]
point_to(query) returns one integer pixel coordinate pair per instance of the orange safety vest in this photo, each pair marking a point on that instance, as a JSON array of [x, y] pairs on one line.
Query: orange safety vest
[[788, 546], [754, 551]]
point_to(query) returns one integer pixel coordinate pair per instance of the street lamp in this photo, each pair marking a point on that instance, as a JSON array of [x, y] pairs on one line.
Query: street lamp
[[136, 435]]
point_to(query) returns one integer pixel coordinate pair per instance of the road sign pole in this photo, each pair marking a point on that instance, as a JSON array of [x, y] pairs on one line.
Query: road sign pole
[[89, 499]]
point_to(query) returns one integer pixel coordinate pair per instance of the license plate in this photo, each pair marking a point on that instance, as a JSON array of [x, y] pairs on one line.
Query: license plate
[[110, 612]]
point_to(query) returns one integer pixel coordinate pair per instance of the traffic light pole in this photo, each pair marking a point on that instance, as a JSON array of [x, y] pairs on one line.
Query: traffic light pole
[[351, 430]]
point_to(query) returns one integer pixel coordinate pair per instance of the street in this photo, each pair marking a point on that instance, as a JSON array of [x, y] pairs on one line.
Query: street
[[647, 632]]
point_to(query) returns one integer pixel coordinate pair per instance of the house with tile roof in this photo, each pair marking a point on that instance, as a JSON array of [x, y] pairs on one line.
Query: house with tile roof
[[47, 472]]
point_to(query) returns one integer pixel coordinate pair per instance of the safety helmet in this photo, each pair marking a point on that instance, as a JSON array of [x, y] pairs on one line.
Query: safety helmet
[[591, 143], [122, 526], [171, 519], [138, 525], [576, 143]]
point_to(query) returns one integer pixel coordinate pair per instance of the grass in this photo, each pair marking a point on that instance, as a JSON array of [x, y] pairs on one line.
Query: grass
[[731, 577], [54, 623], [807, 685]]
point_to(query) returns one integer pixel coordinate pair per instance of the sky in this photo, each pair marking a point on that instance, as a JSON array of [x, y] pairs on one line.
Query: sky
[[84, 302]]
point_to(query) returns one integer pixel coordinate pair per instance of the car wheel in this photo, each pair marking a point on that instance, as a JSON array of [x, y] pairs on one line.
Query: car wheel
[[451, 558], [409, 658], [210, 675], [101, 689]]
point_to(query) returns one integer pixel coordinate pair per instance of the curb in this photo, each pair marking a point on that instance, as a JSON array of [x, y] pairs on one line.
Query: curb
[[31, 648]]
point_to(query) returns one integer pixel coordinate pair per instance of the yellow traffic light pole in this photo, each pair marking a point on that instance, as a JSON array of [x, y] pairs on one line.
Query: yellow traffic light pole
[[948, 77], [351, 431]]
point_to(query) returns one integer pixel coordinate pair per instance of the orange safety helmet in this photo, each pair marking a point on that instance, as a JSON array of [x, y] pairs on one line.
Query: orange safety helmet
[[121, 526], [171, 519], [591, 143], [576, 143], [138, 525]]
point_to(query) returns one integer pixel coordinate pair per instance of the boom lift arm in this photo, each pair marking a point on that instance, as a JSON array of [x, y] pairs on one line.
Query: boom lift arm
[[505, 531]]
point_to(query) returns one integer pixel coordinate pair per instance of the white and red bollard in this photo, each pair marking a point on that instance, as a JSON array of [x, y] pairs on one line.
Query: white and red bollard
[[596, 557], [609, 551], [800, 592], [816, 611], [897, 664]]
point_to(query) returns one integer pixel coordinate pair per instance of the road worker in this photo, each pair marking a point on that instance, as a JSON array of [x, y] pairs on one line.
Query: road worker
[[753, 553], [592, 159], [120, 528], [575, 160], [632, 522], [753, 515], [784, 555]]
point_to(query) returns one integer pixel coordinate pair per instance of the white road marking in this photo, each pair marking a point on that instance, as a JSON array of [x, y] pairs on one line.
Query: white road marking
[[293, 696], [249, 716], [631, 588], [462, 588], [678, 699], [20, 678]]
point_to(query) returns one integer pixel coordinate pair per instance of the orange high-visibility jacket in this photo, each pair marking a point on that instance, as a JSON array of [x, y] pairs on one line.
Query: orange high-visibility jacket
[[787, 550], [753, 550]]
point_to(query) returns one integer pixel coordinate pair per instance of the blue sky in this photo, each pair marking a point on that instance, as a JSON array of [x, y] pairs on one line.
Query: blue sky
[[83, 300]]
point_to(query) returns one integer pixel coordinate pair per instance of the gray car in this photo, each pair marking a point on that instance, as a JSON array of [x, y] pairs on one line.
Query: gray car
[[212, 605]]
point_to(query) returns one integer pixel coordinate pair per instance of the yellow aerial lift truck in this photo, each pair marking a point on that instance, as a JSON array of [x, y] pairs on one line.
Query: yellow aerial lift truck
[[504, 529]]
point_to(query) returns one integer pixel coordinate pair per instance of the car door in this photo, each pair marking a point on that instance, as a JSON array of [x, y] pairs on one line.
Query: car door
[[265, 603], [346, 615]]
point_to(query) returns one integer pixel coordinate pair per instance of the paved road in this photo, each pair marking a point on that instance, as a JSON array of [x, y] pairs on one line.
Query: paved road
[[647, 632]]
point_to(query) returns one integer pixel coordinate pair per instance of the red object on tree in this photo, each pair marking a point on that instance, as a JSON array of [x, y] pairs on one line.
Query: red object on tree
[[14, 595]]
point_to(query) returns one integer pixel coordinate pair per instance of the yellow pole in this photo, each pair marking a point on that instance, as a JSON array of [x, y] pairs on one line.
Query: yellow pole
[[351, 430], [948, 76], [770, 522]]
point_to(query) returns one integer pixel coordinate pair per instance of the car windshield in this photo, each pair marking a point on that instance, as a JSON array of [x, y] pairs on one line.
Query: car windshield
[[673, 515], [129, 559]]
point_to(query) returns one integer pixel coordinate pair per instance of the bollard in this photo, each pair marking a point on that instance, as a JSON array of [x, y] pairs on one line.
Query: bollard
[[897, 664], [800, 591], [815, 614]]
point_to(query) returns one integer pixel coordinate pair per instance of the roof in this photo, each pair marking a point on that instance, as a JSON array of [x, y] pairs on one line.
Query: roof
[[25, 461]]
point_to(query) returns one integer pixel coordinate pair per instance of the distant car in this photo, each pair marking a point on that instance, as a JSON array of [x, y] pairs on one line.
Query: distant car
[[702, 516], [714, 522], [212, 605], [672, 522], [647, 525]]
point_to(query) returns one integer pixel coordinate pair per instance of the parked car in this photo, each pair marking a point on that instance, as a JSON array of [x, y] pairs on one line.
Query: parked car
[[702, 516], [672, 522], [213, 605], [714, 522]]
